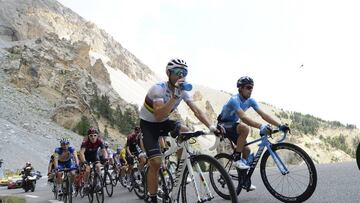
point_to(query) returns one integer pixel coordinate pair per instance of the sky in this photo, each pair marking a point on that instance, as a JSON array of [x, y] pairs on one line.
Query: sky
[[303, 55]]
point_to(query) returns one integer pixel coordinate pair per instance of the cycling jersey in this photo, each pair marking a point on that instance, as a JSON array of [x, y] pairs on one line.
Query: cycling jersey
[[236, 103], [133, 143], [64, 155], [228, 117], [91, 149], [65, 158], [159, 92]]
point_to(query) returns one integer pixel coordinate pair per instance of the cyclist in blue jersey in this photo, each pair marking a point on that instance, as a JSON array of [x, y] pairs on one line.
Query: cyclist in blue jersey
[[65, 158], [160, 101], [235, 122]]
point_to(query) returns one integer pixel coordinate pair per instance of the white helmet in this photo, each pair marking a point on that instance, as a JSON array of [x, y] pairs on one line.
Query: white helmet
[[176, 63]]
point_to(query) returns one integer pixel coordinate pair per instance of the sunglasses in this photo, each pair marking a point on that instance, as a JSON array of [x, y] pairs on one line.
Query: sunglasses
[[64, 144], [92, 135], [249, 87], [181, 72]]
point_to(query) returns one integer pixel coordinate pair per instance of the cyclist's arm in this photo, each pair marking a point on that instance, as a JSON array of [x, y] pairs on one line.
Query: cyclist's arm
[[267, 117], [247, 120], [128, 151], [162, 110], [198, 113], [56, 157], [76, 158], [104, 153], [50, 166], [82, 154]]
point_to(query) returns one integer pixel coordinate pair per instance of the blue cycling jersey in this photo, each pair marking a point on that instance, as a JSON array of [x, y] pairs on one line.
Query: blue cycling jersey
[[64, 156], [236, 103]]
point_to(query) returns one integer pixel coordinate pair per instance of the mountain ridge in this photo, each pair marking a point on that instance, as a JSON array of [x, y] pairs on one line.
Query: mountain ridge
[[53, 63]]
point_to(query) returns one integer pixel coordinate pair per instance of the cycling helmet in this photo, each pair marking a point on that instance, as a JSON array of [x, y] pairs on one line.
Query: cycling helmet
[[176, 63], [245, 80], [92, 130], [64, 141]]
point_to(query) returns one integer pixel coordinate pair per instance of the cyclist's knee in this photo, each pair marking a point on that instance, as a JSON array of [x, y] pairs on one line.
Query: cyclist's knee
[[242, 129], [155, 163]]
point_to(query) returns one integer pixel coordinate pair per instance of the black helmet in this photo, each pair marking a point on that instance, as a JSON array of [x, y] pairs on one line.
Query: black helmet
[[245, 80]]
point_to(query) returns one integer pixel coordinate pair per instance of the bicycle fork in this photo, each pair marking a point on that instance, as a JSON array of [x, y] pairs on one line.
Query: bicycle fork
[[279, 163]]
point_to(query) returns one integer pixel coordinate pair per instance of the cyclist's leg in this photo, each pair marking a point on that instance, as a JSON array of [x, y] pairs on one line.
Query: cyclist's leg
[[242, 132], [151, 133], [152, 174]]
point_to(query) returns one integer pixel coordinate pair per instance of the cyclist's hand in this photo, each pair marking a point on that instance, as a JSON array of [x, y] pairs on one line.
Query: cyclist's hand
[[265, 129], [284, 128], [177, 90]]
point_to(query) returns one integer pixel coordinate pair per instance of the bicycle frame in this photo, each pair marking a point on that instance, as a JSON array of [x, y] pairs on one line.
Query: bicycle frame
[[265, 143], [185, 161]]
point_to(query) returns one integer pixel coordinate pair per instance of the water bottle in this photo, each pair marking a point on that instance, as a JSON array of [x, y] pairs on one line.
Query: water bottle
[[186, 86], [250, 159]]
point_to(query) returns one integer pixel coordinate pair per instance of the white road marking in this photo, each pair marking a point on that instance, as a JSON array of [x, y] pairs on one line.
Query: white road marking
[[32, 196]]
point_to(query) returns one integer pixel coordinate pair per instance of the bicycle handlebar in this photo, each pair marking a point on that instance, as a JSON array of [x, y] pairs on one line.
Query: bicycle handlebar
[[284, 134]]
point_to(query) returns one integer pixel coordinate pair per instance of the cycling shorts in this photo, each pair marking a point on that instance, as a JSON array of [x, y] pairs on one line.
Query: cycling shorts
[[151, 133], [230, 131], [68, 164]]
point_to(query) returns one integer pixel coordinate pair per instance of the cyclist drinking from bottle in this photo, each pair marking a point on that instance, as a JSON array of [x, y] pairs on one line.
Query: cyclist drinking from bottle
[[162, 99]]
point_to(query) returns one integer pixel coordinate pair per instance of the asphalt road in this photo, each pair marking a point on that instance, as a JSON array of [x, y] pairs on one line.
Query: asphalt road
[[338, 183]]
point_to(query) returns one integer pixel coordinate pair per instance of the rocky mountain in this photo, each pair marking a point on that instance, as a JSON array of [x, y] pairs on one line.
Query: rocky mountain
[[53, 63]]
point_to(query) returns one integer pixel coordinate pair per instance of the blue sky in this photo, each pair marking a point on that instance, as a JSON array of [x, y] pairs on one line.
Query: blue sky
[[267, 40]]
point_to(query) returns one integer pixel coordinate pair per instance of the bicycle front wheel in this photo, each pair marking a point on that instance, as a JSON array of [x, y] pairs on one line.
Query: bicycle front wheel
[[197, 185], [108, 183], [299, 183], [358, 156]]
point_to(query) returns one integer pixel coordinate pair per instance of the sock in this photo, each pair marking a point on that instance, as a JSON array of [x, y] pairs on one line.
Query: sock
[[153, 198]]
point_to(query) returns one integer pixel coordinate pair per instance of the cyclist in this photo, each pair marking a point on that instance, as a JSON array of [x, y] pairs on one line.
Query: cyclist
[[162, 99], [51, 168], [133, 148], [64, 157], [88, 153], [109, 154], [235, 122]]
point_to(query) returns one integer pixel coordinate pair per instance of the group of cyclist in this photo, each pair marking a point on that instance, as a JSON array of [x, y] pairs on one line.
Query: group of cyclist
[[144, 144], [92, 150]]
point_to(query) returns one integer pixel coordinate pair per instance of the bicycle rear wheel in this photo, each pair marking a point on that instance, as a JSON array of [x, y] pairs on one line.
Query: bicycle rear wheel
[[203, 166], [296, 186], [358, 156], [218, 182]]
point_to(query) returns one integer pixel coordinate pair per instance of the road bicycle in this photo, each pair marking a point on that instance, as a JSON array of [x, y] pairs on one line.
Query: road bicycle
[[287, 171], [108, 180], [196, 167], [66, 187], [95, 185]]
